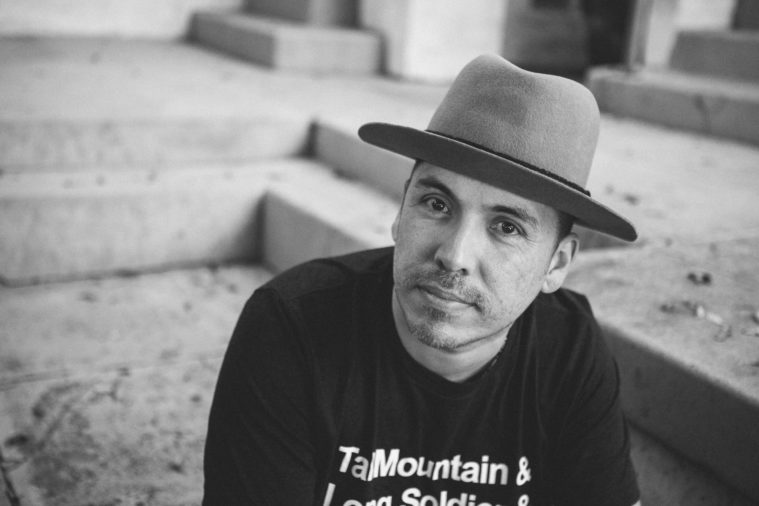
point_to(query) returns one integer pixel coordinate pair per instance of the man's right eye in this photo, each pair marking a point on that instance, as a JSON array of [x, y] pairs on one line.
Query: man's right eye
[[437, 205]]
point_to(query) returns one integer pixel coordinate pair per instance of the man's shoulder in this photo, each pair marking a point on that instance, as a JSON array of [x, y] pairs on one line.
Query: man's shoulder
[[564, 304], [561, 322], [325, 274]]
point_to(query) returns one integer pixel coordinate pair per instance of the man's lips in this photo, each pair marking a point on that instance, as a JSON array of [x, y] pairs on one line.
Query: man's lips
[[443, 294]]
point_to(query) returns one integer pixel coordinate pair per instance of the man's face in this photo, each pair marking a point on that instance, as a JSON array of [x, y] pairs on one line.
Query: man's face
[[470, 257]]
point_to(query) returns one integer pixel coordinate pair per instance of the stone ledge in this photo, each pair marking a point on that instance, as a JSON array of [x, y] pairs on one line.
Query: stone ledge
[[312, 219], [102, 325], [60, 226], [167, 19], [39, 146], [317, 12], [726, 53], [341, 148], [713, 106], [287, 45], [687, 353], [666, 478]]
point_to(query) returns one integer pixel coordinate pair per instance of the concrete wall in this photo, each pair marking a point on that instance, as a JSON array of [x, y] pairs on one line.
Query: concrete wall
[[162, 19], [747, 15], [541, 38], [670, 16], [431, 40], [318, 12]]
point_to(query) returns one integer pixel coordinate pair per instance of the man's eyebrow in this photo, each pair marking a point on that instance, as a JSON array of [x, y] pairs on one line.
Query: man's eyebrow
[[433, 182], [519, 213]]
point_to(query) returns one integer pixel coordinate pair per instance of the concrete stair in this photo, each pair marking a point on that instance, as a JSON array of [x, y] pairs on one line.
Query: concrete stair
[[316, 12], [710, 86], [746, 15], [167, 19], [58, 226], [667, 479], [710, 105], [79, 356], [687, 352], [288, 45], [726, 53], [323, 218], [338, 146], [110, 190], [71, 145]]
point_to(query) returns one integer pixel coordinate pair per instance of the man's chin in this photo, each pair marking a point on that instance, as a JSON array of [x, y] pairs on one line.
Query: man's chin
[[437, 337], [436, 342], [433, 326]]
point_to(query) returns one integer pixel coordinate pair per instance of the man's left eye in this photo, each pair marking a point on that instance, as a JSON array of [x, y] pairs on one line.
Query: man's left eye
[[506, 228]]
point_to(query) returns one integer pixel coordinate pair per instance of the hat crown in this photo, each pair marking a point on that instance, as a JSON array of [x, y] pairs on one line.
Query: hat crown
[[545, 121]]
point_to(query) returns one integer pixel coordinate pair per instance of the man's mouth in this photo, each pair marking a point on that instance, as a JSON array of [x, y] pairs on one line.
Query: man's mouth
[[444, 295]]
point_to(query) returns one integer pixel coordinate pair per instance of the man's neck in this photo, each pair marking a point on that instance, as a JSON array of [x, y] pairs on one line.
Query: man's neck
[[454, 365]]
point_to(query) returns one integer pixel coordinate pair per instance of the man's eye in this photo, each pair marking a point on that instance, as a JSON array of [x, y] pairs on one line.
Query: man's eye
[[506, 228], [437, 205]]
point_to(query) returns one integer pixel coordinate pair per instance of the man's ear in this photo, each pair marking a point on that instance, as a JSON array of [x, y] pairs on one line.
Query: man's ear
[[560, 263]]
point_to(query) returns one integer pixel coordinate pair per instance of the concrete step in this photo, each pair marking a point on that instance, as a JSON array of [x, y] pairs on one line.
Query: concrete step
[[71, 145], [714, 106], [721, 53], [315, 12], [102, 325], [288, 45], [105, 385], [303, 220], [66, 104], [167, 19], [746, 15], [69, 104], [338, 146], [666, 478], [58, 226], [684, 326]]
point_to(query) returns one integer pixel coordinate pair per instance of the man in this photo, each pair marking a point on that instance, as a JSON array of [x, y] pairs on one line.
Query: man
[[451, 370]]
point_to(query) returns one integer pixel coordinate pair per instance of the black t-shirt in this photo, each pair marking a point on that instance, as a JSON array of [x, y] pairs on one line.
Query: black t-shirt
[[318, 403]]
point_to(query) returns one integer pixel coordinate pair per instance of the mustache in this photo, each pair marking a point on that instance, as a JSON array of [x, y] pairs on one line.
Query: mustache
[[452, 282]]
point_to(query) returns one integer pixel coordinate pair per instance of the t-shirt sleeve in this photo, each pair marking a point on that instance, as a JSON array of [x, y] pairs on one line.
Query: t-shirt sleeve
[[592, 463], [259, 447]]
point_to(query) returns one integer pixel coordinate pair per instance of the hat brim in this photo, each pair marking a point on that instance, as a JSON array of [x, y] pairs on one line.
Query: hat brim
[[501, 172]]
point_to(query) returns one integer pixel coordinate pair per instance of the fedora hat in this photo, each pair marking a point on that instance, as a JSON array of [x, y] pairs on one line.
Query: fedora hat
[[531, 134]]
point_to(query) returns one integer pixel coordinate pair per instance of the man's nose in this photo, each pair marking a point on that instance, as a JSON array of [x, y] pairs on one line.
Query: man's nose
[[458, 250]]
